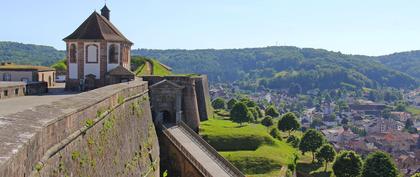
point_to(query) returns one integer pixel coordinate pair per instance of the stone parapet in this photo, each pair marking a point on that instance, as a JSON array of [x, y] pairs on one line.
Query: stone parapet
[[103, 132]]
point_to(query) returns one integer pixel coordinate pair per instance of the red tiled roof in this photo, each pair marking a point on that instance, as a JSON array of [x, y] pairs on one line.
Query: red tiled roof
[[97, 27]]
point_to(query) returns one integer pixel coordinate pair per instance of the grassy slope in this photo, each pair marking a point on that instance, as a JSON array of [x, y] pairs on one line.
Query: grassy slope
[[158, 69], [413, 110], [151, 65], [266, 160]]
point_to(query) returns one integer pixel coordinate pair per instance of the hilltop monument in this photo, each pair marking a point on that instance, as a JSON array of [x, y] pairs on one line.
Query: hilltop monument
[[98, 54]]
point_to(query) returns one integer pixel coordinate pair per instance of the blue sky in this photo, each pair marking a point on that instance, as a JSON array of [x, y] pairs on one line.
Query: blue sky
[[371, 27]]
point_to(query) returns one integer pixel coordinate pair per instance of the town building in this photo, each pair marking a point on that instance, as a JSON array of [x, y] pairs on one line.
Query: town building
[[27, 73], [368, 108], [401, 116], [381, 125], [11, 89], [98, 54]]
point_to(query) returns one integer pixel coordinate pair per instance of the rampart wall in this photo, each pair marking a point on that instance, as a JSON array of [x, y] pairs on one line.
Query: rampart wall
[[104, 132]]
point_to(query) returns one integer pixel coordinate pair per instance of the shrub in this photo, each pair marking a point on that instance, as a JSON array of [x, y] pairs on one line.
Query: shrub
[[267, 121], [251, 104], [272, 111], [293, 140], [275, 133], [291, 167], [231, 103], [219, 103]]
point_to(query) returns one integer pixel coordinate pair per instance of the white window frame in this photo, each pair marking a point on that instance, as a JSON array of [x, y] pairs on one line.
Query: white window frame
[[98, 57]]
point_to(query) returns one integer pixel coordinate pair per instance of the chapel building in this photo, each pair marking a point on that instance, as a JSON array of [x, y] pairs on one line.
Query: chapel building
[[98, 54]]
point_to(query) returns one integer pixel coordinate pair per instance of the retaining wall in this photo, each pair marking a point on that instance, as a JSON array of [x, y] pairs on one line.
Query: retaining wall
[[103, 132]]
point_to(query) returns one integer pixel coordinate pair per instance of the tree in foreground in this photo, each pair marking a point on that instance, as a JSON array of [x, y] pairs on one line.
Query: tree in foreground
[[288, 122], [219, 103], [311, 141], [326, 154], [240, 113], [267, 121], [347, 164], [416, 175], [231, 103], [379, 164], [272, 111]]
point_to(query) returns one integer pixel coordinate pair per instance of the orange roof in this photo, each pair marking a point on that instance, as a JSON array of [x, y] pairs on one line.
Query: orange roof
[[389, 137]]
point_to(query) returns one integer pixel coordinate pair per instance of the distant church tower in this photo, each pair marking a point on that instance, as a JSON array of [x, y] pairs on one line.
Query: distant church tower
[[97, 54]]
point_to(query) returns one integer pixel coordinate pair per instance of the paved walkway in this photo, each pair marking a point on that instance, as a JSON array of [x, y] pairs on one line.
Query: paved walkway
[[198, 151], [18, 104]]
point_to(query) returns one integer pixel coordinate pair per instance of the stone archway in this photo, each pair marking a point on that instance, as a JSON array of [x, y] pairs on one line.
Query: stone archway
[[166, 100], [167, 118]]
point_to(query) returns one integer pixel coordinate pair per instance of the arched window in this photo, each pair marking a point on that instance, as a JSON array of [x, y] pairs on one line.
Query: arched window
[[92, 53], [113, 53], [73, 53]]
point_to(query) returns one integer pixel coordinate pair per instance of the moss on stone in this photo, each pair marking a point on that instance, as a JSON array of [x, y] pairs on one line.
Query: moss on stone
[[120, 99], [89, 122], [38, 167], [75, 155]]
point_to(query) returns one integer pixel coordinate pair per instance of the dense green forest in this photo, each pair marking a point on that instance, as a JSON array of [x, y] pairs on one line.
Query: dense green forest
[[407, 62], [285, 67], [29, 54], [272, 67]]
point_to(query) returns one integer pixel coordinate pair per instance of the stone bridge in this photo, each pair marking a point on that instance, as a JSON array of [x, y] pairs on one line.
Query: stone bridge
[[189, 155], [178, 105]]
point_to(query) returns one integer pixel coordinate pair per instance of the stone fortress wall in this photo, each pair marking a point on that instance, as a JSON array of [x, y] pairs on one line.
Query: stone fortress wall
[[83, 136], [196, 104]]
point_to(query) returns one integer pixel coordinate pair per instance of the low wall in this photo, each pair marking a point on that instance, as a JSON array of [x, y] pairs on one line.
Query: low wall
[[36, 88], [104, 132], [11, 89], [174, 162]]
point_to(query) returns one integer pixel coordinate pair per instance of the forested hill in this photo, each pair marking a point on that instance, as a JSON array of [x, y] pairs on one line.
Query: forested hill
[[282, 67], [273, 67], [408, 62], [29, 53]]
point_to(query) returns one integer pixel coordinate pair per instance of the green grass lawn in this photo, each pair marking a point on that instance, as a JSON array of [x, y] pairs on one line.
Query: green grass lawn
[[413, 110], [159, 70], [249, 147]]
